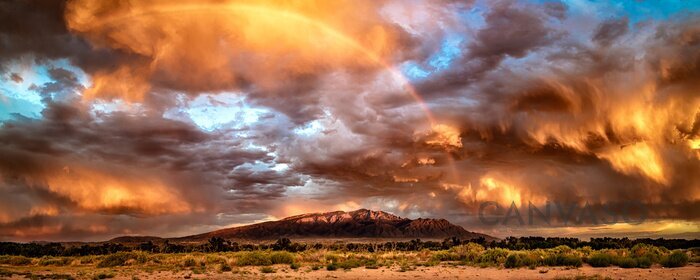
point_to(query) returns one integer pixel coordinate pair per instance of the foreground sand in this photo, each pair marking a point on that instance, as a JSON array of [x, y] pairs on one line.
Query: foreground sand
[[692, 271]]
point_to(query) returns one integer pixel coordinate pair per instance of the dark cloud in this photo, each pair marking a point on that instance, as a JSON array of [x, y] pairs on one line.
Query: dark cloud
[[542, 99], [64, 86], [511, 30], [36, 27], [186, 168], [16, 78], [556, 9], [610, 30]]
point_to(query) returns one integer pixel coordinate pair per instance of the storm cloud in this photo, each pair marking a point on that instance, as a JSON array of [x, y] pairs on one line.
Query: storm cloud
[[177, 117]]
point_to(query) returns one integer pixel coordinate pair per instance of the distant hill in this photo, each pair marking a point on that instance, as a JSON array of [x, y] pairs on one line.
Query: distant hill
[[361, 223], [135, 239]]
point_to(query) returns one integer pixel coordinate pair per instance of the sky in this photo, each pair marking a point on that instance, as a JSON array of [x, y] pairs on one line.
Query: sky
[[178, 117]]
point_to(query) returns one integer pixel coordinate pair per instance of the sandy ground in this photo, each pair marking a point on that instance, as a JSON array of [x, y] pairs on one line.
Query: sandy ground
[[691, 271]]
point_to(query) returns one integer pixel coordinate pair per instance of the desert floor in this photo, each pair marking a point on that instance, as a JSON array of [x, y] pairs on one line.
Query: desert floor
[[692, 271]]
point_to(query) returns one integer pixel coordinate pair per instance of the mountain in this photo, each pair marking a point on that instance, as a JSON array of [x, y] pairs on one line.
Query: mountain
[[361, 223]]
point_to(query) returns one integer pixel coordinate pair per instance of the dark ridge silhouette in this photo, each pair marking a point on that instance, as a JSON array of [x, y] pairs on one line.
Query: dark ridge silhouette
[[361, 223], [135, 239]]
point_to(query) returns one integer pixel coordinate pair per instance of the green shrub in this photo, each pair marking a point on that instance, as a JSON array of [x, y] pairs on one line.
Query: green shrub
[[331, 267], [526, 258], [644, 262], [444, 256], [561, 259], [494, 256], [405, 267], [585, 250], [600, 260], [103, 275], [267, 269], [282, 258], [675, 259], [651, 252], [640, 249], [256, 258], [15, 260], [189, 262], [350, 264], [120, 259], [694, 254], [695, 251], [562, 249], [533, 258], [224, 267], [46, 261], [332, 258], [627, 262], [294, 266], [88, 259], [469, 252], [513, 261], [140, 257], [372, 264], [197, 270], [550, 260], [214, 259], [571, 260]]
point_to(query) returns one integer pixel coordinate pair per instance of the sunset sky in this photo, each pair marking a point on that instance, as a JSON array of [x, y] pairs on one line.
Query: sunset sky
[[171, 118]]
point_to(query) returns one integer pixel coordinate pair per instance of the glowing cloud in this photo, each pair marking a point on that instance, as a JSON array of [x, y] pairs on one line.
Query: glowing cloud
[[444, 136], [215, 45], [637, 158], [100, 191]]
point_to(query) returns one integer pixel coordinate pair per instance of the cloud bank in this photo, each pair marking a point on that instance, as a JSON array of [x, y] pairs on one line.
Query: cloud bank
[[176, 117]]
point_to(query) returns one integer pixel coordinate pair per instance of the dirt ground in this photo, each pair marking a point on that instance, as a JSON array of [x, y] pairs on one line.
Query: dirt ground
[[691, 271]]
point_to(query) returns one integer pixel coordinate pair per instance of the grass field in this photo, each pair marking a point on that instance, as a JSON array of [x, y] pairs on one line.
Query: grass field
[[540, 263]]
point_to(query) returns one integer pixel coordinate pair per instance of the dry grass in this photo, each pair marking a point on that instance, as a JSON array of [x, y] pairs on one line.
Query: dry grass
[[470, 255]]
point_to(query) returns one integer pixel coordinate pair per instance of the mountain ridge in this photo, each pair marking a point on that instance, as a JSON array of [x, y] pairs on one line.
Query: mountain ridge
[[361, 223]]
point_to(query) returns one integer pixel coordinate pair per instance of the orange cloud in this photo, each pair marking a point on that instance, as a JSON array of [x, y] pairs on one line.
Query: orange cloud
[[637, 158], [97, 190], [442, 135], [217, 45]]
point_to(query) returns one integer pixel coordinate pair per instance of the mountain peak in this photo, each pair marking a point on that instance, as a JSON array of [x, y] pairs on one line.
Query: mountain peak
[[360, 215], [374, 215]]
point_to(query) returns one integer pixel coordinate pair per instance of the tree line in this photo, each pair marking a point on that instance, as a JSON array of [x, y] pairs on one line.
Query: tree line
[[217, 244]]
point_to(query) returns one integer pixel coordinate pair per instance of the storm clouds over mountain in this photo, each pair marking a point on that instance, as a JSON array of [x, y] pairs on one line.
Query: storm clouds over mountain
[[173, 118]]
